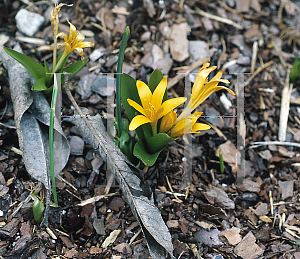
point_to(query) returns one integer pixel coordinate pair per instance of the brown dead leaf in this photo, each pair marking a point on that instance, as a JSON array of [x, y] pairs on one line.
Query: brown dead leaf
[[232, 236], [247, 248]]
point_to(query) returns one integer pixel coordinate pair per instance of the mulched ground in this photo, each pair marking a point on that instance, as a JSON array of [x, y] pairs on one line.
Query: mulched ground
[[217, 218]]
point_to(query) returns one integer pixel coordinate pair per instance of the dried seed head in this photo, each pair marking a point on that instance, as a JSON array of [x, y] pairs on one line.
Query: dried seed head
[[54, 17]]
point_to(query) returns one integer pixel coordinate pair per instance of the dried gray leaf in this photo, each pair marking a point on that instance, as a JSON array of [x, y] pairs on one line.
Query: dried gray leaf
[[32, 117], [138, 196]]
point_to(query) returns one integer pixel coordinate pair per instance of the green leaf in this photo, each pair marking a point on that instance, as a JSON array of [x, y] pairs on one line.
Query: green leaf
[[158, 142], [39, 85], [141, 153], [126, 144], [295, 72], [155, 78], [75, 67], [32, 66], [129, 91], [118, 78], [38, 209]]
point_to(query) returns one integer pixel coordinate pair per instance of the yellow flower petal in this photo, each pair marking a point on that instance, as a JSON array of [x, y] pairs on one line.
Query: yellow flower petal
[[138, 121], [167, 122], [171, 105], [199, 126], [201, 80], [159, 92], [136, 106], [145, 95], [74, 42], [185, 126]]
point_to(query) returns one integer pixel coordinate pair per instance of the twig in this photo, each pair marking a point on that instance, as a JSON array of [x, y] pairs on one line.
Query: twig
[[226, 7], [254, 56], [7, 126], [73, 194], [295, 101], [171, 189], [257, 71], [99, 26], [285, 107], [96, 198], [66, 182], [219, 19], [135, 236], [279, 143], [50, 232]]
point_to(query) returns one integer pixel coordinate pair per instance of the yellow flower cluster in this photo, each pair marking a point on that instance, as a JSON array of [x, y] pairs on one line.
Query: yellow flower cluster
[[153, 109]]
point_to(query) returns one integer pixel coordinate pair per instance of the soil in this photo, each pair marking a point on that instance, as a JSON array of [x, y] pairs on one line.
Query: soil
[[253, 213]]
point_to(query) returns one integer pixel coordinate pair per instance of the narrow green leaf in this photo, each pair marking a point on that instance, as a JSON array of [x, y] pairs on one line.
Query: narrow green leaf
[[126, 144], [38, 209], [32, 66], [75, 67], [39, 85], [118, 78], [295, 72]]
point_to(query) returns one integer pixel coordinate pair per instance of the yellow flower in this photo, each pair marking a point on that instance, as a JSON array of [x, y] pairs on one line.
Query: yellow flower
[[152, 108], [74, 42], [203, 89], [185, 126], [186, 122]]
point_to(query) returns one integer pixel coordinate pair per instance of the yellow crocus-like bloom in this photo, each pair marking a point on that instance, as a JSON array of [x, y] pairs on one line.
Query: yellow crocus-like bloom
[[186, 122], [203, 89], [152, 108], [185, 126], [74, 42]]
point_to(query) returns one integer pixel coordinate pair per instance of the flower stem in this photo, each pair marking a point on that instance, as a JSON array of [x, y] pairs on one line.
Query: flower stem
[[154, 129], [54, 51], [118, 80], [59, 62], [51, 129]]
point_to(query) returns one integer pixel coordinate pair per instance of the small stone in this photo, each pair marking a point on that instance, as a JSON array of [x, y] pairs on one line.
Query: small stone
[[146, 36], [173, 223], [179, 43], [147, 60], [29, 23], [214, 117], [95, 98], [230, 3], [84, 86], [253, 116], [164, 64], [156, 52], [97, 53], [3, 39], [210, 238], [104, 85], [198, 49], [243, 60], [266, 154], [76, 145]]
